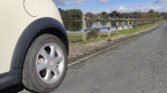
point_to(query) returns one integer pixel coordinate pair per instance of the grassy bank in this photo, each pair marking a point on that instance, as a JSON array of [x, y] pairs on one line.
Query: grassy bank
[[114, 35], [75, 37], [84, 48]]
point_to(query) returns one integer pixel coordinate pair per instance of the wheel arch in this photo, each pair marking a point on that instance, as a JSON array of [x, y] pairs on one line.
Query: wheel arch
[[35, 29]]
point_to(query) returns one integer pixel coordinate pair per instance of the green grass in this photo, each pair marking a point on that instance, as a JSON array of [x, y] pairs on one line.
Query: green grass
[[74, 37], [129, 32]]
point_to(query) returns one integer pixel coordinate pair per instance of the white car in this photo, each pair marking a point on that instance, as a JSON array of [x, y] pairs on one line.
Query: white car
[[33, 45]]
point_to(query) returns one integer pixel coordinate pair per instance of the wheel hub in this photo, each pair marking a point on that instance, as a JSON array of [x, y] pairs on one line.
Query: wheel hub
[[50, 63]]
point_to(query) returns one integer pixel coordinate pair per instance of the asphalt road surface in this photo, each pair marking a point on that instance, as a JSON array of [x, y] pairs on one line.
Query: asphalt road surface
[[136, 66]]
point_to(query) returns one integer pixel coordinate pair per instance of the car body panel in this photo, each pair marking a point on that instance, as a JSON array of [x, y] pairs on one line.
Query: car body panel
[[14, 19], [35, 29]]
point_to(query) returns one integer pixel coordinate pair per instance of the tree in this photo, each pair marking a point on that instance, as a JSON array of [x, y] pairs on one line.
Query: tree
[[114, 14], [151, 11], [72, 14], [164, 15], [154, 14], [104, 15], [125, 15], [90, 15]]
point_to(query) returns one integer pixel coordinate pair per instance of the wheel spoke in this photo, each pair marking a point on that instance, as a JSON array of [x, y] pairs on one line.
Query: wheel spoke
[[41, 67], [48, 74], [53, 50], [44, 54], [58, 59], [56, 71]]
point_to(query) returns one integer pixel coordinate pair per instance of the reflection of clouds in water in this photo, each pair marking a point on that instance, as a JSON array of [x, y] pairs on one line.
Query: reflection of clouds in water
[[77, 26], [113, 29], [94, 25]]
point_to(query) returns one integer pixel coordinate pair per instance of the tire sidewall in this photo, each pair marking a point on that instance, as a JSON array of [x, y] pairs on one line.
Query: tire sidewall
[[30, 62]]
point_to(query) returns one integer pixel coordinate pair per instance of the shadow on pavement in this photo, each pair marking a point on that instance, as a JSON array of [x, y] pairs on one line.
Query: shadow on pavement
[[13, 89]]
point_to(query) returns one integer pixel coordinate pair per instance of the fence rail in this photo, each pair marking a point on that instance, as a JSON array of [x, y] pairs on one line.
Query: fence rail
[[120, 24]]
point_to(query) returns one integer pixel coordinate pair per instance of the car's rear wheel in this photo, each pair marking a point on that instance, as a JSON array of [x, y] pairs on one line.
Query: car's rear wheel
[[45, 64]]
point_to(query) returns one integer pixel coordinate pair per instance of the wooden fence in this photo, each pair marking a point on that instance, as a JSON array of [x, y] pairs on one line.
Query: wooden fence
[[120, 24]]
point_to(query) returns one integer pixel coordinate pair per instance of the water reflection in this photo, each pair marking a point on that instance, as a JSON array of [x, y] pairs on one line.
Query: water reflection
[[103, 23], [77, 26], [113, 23], [73, 26], [89, 24]]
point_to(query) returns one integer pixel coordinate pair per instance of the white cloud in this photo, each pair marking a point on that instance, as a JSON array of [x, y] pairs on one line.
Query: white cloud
[[123, 9], [138, 8], [132, 8]]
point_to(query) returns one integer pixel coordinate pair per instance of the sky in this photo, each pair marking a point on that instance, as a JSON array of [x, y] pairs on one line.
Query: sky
[[97, 6]]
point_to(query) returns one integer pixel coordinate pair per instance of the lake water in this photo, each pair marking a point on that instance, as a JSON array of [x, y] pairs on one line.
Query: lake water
[[77, 26]]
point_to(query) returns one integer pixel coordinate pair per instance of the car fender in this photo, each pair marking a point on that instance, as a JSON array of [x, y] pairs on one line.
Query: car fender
[[29, 34]]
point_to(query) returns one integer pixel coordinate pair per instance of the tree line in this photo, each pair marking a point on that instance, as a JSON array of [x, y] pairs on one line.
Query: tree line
[[76, 14], [72, 14]]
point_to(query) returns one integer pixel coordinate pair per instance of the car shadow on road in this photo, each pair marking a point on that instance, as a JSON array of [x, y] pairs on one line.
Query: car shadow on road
[[13, 89]]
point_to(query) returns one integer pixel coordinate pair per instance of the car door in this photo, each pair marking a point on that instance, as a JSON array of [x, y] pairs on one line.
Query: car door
[[9, 19]]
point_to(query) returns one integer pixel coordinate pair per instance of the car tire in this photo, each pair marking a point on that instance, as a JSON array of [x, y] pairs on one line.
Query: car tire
[[48, 54]]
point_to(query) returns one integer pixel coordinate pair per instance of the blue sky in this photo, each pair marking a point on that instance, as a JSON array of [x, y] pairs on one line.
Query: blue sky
[[110, 5]]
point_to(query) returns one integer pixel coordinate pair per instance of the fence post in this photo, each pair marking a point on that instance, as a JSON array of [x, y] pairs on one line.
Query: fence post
[[109, 25], [117, 25], [84, 36], [98, 27], [123, 25], [136, 23], [98, 24], [132, 23], [128, 23]]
